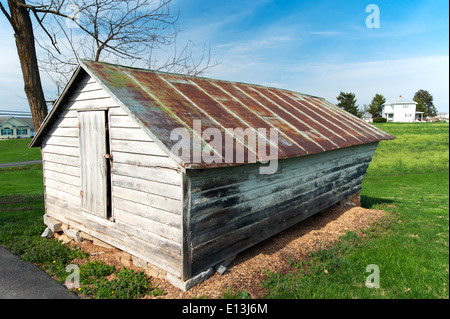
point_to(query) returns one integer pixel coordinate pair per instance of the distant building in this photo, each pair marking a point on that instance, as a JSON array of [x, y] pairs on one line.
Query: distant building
[[401, 110], [442, 117], [16, 127], [367, 117]]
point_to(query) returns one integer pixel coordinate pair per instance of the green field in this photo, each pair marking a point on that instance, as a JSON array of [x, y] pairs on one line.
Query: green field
[[21, 180], [408, 178], [18, 151], [419, 148]]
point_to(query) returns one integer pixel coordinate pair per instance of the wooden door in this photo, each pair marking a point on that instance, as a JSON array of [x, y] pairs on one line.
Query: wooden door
[[95, 174]]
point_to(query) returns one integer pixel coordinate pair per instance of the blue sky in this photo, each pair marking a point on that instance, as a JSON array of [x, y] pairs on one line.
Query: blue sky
[[314, 47]]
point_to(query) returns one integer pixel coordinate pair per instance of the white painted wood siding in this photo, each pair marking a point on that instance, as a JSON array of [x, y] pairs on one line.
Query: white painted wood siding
[[146, 191], [146, 183]]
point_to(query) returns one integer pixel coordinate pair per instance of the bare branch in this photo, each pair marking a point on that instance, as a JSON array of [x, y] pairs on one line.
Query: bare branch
[[184, 62], [54, 44], [128, 31]]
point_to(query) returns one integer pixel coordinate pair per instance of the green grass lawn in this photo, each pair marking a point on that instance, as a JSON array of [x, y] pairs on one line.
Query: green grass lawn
[[18, 151], [21, 180], [408, 178]]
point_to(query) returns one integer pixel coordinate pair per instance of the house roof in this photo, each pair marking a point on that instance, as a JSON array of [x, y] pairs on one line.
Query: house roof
[[162, 102], [401, 100], [27, 121]]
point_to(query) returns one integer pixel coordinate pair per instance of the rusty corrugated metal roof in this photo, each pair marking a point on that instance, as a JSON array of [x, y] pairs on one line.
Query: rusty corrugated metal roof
[[163, 102]]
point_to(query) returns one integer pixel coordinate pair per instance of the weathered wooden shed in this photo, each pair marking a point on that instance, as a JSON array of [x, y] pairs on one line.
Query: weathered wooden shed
[[110, 172]]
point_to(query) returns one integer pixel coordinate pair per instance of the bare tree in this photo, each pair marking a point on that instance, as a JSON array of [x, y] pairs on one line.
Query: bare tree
[[117, 31]]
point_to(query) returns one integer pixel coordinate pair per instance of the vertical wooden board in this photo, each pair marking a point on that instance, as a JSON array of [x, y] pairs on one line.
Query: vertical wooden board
[[93, 164], [186, 255]]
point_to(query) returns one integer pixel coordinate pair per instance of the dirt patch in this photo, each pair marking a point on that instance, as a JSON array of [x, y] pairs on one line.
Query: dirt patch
[[274, 254], [110, 256]]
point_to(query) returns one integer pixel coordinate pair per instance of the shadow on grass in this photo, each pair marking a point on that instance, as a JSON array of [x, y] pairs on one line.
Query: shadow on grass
[[369, 202], [16, 199]]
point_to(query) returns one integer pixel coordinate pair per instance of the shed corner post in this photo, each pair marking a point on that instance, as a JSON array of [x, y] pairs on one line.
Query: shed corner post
[[186, 255], [41, 149]]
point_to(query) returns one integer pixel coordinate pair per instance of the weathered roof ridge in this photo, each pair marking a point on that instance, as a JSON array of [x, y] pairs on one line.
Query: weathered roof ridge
[[196, 77]]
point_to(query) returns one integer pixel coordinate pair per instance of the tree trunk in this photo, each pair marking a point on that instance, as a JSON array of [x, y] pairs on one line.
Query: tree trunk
[[27, 55]]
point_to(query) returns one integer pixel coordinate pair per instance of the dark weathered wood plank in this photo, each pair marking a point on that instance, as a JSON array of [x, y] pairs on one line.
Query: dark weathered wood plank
[[219, 199], [186, 255], [245, 215], [208, 179], [209, 255]]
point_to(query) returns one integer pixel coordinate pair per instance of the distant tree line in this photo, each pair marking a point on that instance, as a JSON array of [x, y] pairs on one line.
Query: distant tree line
[[348, 102]]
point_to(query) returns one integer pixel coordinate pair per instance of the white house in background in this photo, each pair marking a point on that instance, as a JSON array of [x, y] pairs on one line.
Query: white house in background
[[16, 127], [401, 110]]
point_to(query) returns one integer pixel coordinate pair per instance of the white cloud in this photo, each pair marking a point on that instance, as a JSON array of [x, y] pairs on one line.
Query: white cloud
[[390, 78], [326, 33]]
